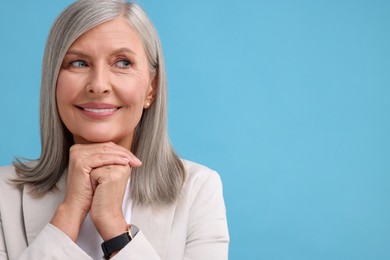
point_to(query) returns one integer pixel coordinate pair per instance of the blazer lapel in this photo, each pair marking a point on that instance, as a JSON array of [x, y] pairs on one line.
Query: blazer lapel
[[37, 212], [155, 224]]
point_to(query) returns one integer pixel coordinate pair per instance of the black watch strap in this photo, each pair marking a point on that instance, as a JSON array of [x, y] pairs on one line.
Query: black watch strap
[[118, 242]]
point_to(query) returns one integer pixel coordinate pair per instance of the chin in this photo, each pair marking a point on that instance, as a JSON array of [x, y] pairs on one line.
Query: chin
[[100, 140], [103, 136], [93, 138]]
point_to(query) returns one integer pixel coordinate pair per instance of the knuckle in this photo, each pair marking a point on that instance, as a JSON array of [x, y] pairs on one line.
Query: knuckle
[[116, 175], [75, 147], [94, 172], [108, 145], [101, 157], [72, 150]]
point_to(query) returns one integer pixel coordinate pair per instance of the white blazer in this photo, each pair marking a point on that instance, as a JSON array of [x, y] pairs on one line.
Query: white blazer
[[195, 227]]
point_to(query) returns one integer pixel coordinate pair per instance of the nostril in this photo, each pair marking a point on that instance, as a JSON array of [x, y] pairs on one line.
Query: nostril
[[98, 88]]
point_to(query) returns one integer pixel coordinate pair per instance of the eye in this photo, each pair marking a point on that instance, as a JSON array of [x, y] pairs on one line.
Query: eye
[[78, 64], [123, 64]]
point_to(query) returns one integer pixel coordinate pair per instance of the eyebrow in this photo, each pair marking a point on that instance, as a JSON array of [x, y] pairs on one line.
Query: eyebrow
[[81, 53]]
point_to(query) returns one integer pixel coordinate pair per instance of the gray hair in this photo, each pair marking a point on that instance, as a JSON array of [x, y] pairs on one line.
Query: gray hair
[[160, 178]]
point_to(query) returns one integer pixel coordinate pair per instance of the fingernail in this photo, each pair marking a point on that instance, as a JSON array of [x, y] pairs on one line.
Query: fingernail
[[137, 160]]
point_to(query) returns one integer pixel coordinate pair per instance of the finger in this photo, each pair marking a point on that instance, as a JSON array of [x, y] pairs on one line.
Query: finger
[[105, 148], [110, 173], [94, 183], [100, 160]]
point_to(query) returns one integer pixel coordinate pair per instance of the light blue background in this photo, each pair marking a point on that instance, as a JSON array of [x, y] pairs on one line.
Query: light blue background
[[288, 100]]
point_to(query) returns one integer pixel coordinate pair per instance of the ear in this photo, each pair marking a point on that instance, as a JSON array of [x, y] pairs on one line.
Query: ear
[[151, 93]]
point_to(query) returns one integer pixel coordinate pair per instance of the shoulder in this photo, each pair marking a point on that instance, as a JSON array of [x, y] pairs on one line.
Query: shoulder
[[202, 203], [200, 179], [7, 173], [198, 173], [9, 192]]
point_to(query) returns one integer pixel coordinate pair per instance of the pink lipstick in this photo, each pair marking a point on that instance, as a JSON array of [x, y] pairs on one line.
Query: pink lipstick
[[95, 110]]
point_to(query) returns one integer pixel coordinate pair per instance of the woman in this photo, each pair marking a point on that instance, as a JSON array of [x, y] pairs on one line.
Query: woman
[[108, 182]]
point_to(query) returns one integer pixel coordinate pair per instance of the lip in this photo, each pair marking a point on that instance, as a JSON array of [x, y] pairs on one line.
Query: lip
[[95, 105], [95, 110]]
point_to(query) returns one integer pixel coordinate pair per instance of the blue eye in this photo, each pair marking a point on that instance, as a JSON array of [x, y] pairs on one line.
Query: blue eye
[[78, 64], [123, 63]]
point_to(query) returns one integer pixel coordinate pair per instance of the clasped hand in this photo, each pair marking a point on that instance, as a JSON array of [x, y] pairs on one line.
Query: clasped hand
[[96, 183]]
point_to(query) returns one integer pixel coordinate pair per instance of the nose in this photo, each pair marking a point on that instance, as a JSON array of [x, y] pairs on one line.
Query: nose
[[98, 82]]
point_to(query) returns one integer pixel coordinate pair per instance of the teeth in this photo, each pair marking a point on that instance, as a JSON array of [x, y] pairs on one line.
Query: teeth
[[103, 110]]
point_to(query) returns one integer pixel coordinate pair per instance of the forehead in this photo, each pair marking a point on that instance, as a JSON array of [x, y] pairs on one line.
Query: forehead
[[116, 33]]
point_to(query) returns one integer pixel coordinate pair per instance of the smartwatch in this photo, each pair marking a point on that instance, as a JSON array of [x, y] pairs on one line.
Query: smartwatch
[[119, 242]]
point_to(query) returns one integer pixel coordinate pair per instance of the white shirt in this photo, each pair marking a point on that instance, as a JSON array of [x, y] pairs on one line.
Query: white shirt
[[89, 239]]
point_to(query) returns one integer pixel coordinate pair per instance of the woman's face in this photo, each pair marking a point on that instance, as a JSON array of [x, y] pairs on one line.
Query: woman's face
[[104, 84]]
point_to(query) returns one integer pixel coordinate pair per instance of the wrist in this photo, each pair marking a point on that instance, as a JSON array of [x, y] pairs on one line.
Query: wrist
[[112, 246], [69, 220], [111, 227]]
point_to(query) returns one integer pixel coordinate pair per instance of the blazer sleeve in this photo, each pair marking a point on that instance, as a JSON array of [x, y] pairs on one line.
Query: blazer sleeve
[[208, 236], [138, 249], [51, 243]]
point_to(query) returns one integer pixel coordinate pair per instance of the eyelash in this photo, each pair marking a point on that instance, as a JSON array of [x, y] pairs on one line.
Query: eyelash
[[72, 63], [82, 64], [126, 61]]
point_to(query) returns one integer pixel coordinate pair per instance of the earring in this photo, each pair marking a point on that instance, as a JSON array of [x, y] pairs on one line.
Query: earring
[[147, 105]]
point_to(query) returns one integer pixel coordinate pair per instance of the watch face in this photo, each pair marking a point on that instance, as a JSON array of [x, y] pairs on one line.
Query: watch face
[[133, 231]]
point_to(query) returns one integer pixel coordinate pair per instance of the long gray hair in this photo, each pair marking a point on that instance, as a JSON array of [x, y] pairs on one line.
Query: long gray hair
[[160, 178]]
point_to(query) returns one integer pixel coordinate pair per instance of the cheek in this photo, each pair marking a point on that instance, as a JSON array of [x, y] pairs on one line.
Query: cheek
[[67, 86], [133, 93], [60, 94], [64, 95], [133, 101]]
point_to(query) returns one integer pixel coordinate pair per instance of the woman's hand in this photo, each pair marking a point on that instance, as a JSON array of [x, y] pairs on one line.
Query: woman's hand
[[109, 185], [83, 159]]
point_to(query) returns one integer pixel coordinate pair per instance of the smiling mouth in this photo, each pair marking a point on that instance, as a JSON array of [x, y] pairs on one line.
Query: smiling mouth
[[98, 110]]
